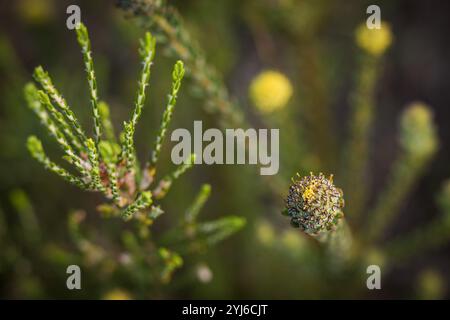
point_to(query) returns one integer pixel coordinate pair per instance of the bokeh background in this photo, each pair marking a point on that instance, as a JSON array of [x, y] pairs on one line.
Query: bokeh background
[[312, 43]]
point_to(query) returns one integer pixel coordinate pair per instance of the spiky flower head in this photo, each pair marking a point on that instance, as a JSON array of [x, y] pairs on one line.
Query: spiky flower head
[[314, 204], [270, 91], [374, 41], [418, 132]]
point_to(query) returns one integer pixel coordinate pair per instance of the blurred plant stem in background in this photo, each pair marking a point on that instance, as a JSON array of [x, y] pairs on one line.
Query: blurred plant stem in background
[[10, 66], [431, 235], [373, 43], [356, 154], [13, 75], [419, 142], [27, 216], [317, 108]]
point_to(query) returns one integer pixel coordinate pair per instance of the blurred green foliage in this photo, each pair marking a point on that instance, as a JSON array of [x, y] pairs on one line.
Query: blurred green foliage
[[330, 124]]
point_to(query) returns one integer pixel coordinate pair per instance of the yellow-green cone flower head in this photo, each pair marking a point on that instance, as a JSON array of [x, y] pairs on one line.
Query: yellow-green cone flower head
[[374, 41], [314, 204], [418, 132], [270, 91]]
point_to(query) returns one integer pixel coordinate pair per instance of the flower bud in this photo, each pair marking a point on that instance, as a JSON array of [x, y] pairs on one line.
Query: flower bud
[[314, 204], [418, 132]]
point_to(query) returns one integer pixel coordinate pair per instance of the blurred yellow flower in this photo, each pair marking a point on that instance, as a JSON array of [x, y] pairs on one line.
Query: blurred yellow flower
[[117, 294], [374, 41], [270, 90]]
